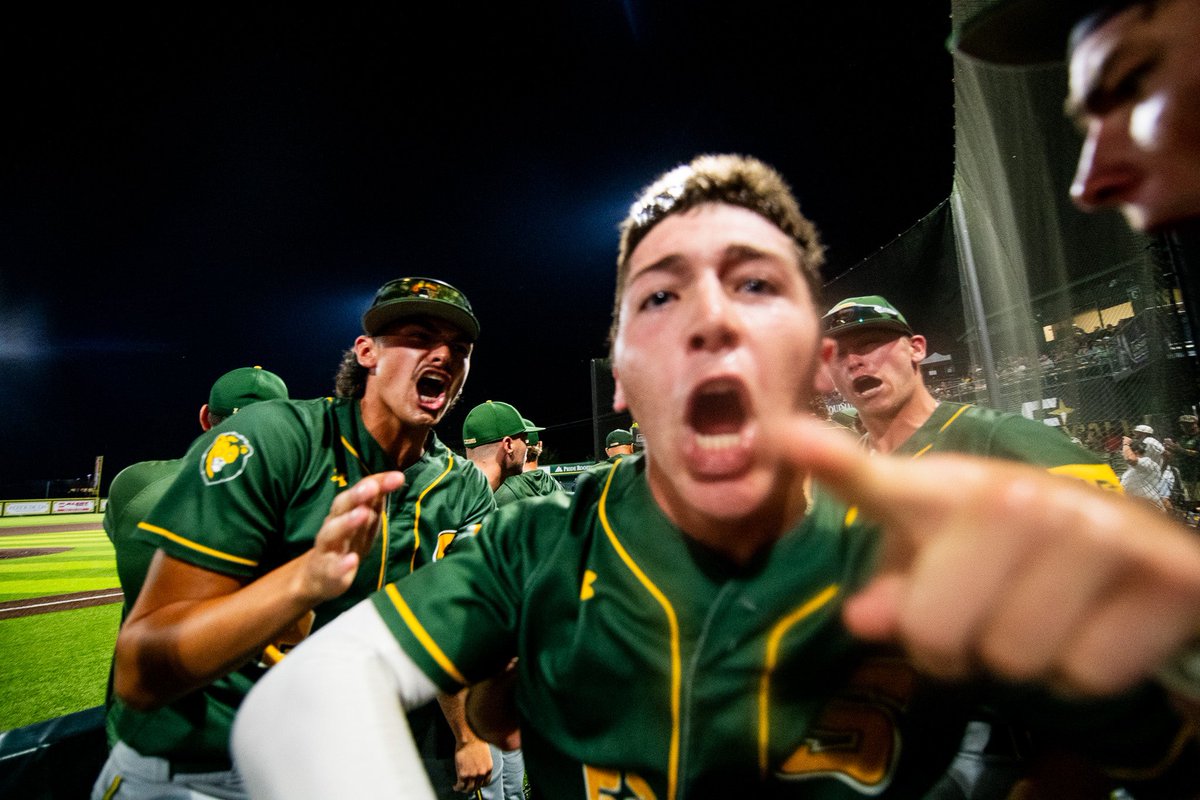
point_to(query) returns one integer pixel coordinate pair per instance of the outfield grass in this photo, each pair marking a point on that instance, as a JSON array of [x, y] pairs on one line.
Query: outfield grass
[[88, 564], [56, 663]]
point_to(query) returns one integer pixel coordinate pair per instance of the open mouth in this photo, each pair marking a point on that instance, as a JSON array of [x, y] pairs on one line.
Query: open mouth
[[865, 383], [717, 413], [431, 389]]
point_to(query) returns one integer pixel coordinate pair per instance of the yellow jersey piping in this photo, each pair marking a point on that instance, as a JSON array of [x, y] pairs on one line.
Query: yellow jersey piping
[[418, 630], [417, 515], [673, 626], [199, 548], [772, 655]]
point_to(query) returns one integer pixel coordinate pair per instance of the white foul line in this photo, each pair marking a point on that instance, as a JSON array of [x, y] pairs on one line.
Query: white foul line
[[60, 602]]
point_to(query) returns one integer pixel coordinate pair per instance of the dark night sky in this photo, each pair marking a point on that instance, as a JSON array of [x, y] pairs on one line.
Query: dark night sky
[[188, 191]]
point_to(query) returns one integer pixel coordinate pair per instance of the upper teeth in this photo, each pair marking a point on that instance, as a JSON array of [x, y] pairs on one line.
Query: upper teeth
[[717, 441]]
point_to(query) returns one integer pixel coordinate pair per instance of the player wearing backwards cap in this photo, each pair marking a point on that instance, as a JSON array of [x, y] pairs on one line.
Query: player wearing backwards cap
[[532, 482], [700, 621], [873, 358], [618, 443], [169, 735], [242, 551]]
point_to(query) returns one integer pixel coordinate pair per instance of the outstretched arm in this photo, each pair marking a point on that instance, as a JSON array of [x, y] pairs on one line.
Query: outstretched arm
[[1000, 566], [190, 625], [326, 721]]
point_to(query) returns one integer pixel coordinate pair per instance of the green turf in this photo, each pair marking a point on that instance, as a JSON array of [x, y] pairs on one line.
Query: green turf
[[88, 564], [51, 519], [55, 664]]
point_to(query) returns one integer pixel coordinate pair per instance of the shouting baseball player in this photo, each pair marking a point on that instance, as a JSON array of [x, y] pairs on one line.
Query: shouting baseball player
[[240, 557], [701, 620]]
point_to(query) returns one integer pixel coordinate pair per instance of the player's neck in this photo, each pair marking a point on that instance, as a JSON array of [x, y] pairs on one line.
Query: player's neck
[[740, 538], [889, 433]]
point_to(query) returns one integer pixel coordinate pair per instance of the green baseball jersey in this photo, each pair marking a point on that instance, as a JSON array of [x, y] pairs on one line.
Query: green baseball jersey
[[251, 495], [534, 483], [960, 428], [132, 495], [650, 667]]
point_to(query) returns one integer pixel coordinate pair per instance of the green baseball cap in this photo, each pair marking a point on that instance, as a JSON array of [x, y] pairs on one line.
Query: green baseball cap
[[492, 421], [1027, 32], [869, 311], [242, 387], [410, 297], [618, 436], [532, 430]]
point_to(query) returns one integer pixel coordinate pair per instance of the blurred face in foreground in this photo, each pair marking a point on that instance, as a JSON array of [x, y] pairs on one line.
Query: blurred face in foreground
[[1135, 93], [717, 334]]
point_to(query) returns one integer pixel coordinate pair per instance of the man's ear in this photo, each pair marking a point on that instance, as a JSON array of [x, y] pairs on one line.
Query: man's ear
[[918, 344], [205, 422], [364, 348], [619, 403], [828, 349]]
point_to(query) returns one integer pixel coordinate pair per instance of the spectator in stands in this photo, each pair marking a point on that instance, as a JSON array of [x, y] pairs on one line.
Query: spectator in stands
[[1142, 475], [1186, 455], [1170, 487], [1154, 448]]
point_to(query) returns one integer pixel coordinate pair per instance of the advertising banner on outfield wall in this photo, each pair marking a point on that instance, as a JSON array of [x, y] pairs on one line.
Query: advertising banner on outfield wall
[[73, 507], [26, 508]]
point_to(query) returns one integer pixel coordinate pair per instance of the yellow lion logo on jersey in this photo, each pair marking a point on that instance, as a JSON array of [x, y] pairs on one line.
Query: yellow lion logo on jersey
[[225, 458]]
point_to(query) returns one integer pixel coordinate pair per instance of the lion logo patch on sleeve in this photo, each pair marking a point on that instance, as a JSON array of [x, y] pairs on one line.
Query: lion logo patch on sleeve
[[225, 458]]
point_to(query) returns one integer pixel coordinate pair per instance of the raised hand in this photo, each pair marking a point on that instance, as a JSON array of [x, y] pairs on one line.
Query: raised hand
[[1004, 567], [345, 536]]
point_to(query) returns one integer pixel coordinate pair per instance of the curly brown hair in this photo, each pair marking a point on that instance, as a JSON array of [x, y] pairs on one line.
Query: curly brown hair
[[351, 378]]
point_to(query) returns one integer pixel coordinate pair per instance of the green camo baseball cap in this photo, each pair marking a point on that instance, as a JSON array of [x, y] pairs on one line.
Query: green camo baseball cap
[[618, 436], [242, 387], [1027, 32], [492, 421], [869, 311], [409, 297]]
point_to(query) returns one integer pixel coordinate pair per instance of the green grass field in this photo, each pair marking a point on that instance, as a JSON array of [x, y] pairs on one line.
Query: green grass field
[[55, 663]]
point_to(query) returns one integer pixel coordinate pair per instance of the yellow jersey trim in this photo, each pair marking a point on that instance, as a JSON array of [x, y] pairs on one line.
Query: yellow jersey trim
[[810, 606], [673, 628], [955, 416], [417, 515], [199, 548], [1099, 474], [418, 630]]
